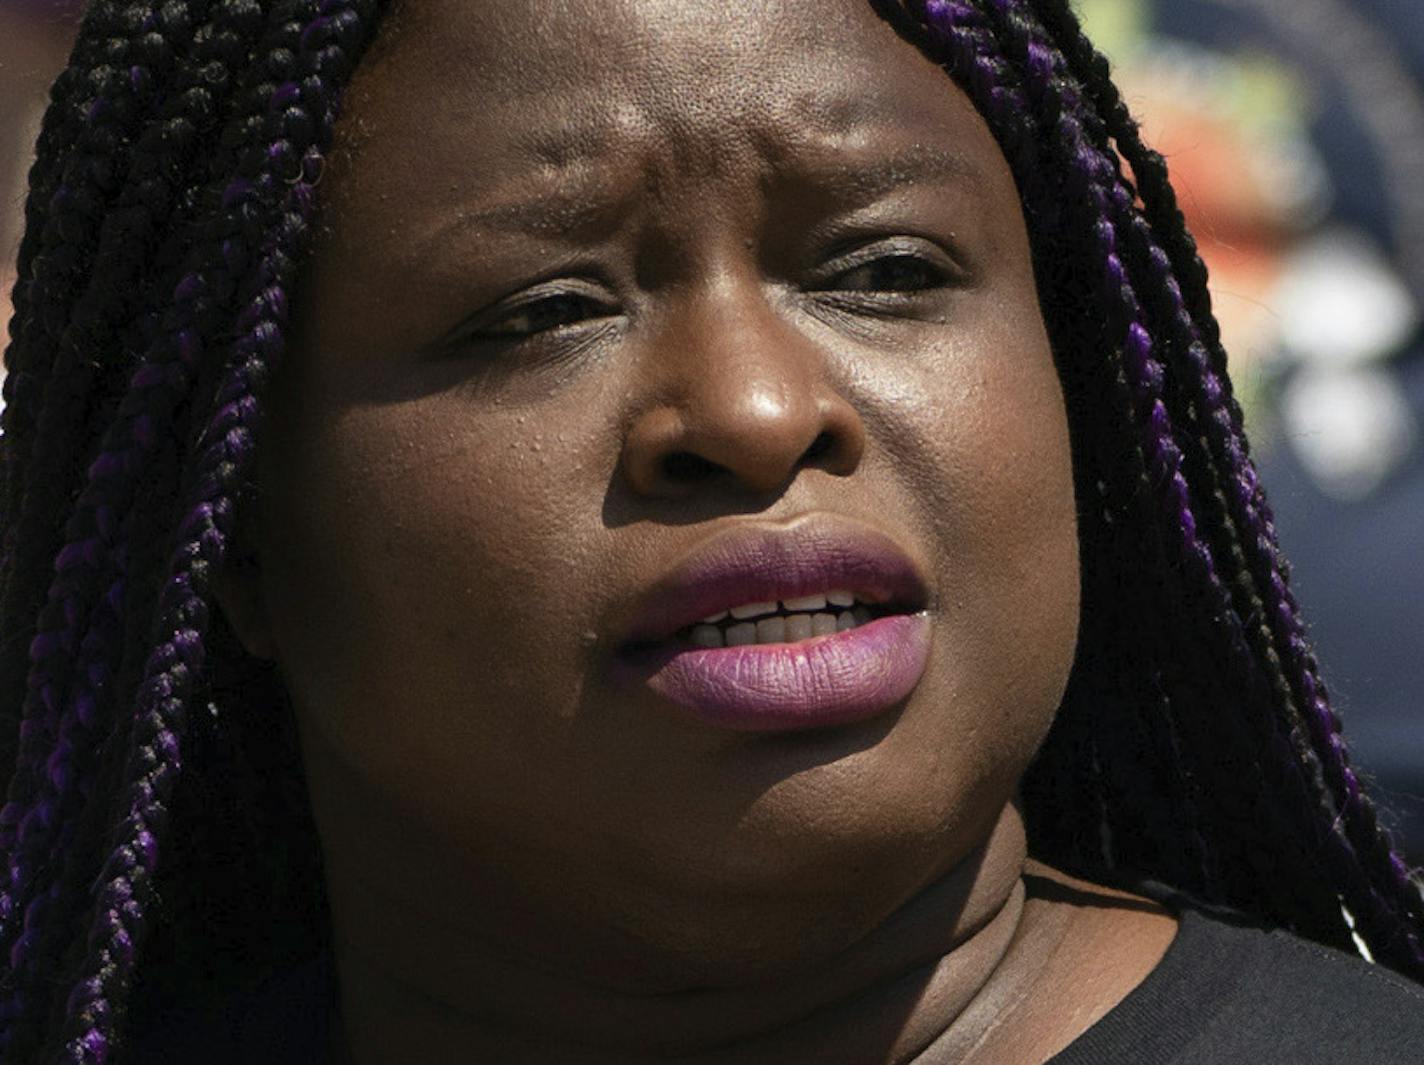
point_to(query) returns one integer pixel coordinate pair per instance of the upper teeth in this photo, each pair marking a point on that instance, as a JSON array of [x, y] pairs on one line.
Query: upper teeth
[[788, 628], [811, 602], [751, 610], [803, 604]]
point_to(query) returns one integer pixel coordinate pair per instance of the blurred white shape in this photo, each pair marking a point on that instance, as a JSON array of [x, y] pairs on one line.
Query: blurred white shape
[[1342, 303], [1350, 425]]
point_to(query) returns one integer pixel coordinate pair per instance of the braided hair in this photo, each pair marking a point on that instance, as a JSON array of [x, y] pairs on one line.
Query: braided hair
[[168, 209]]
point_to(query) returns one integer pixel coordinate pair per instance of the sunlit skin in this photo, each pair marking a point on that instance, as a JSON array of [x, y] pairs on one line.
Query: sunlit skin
[[562, 242]]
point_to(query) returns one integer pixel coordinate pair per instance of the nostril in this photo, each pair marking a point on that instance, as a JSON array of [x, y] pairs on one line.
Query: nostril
[[819, 447], [686, 466]]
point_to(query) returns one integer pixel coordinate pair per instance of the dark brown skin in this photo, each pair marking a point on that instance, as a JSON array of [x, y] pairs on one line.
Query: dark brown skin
[[752, 224]]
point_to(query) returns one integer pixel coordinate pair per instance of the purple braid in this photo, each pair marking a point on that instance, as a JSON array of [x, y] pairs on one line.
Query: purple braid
[[298, 113], [1160, 203], [91, 561], [86, 565], [1389, 894], [170, 673], [1097, 179], [73, 213], [1369, 843], [226, 449], [83, 195]]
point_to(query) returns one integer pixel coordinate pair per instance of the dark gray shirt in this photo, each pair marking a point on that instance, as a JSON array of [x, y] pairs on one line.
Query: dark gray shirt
[[1227, 992]]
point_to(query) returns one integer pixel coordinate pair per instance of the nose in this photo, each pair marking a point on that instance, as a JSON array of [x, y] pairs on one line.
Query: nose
[[740, 396]]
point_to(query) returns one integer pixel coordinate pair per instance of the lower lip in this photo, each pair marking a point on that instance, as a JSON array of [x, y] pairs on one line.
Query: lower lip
[[829, 680]]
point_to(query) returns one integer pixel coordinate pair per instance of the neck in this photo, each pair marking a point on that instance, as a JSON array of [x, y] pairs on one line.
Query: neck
[[410, 991]]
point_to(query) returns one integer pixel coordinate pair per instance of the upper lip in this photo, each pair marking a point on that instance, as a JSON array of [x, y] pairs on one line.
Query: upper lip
[[763, 562]]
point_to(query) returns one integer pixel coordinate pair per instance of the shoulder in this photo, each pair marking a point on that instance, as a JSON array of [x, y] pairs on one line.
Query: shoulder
[[1230, 991], [1304, 1002]]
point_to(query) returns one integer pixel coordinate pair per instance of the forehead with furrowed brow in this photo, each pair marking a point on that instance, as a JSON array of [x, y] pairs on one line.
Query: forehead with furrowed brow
[[578, 204]]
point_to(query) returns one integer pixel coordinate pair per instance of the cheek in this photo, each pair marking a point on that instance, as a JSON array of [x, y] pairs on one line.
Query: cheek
[[417, 571], [1024, 513], [990, 469]]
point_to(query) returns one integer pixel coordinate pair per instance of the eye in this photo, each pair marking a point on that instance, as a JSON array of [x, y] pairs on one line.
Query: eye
[[894, 278], [534, 314], [899, 272], [894, 274]]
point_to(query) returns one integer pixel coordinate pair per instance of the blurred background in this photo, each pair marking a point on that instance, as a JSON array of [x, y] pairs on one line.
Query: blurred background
[[1295, 132]]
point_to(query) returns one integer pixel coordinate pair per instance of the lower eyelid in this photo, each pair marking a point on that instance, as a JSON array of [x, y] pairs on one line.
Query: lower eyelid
[[921, 305]]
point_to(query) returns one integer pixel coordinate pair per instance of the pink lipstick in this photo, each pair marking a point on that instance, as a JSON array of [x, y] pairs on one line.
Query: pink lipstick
[[867, 667]]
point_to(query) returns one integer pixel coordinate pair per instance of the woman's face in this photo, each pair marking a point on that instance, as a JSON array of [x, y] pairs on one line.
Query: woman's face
[[599, 284]]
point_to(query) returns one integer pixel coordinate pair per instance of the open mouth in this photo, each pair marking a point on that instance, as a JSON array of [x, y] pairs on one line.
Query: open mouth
[[767, 627], [803, 582], [784, 621], [866, 659]]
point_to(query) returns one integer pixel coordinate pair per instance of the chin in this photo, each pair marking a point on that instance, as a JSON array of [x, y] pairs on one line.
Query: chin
[[757, 906]]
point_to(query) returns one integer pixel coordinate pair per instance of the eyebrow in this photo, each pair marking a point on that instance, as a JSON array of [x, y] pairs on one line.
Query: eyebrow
[[555, 212], [870, 176]]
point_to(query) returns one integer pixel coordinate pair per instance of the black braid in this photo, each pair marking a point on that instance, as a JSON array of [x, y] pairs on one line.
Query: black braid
[[212, 238], [1272, 734], [1261, 563], [122, 247]]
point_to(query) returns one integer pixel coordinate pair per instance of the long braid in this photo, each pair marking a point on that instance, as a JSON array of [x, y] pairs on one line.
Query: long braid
[[52, 252], [90, 562], [82, 193], [1057, 95], [1371, 906], [1262, 555], [331, 41], [1285, 758], [1198, 412], [67, 358], [1151, 379], [162, 712], [323, 43], [1388, 893]]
